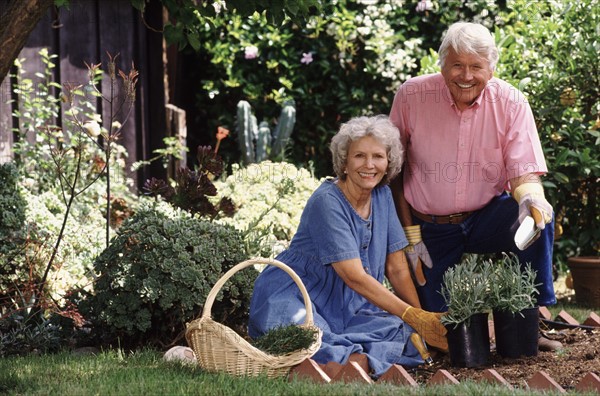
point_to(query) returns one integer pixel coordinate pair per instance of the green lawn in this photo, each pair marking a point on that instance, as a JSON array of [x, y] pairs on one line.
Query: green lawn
[[145, 373]]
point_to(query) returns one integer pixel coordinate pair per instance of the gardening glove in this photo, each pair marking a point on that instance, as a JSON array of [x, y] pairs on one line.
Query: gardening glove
[[416, 253], [532, 201], [428, 325]]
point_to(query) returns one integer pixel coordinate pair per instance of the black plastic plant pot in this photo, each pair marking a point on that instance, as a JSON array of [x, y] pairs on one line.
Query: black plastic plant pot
[[517, 335], [469, 345]]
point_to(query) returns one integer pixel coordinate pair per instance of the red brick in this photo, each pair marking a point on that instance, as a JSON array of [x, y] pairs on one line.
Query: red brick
[[545, 313], [543, 381], [492, 376], [567, 318], [397, 375], [309, 370], [588, 383], [592, 320], [361, 359], [331, 368], [352, 372], [442, 377]]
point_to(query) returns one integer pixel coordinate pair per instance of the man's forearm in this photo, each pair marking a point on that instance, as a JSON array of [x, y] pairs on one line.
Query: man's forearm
[[526, 178], [402, 206]]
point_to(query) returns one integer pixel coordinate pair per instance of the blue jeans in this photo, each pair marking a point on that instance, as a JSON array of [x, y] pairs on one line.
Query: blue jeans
[[489, 230]]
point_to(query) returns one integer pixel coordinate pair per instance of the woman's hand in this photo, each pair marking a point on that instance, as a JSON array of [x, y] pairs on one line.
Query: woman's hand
[[428, 325]]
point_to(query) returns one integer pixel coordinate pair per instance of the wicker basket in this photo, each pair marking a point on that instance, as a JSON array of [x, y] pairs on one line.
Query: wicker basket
[[220, 349]]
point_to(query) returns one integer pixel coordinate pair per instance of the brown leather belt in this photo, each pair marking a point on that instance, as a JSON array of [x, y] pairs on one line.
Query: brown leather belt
[[455, 218]]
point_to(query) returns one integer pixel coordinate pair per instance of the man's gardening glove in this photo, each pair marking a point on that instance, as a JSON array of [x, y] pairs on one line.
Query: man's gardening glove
[[428, 325], [532, 201], [416, 253]]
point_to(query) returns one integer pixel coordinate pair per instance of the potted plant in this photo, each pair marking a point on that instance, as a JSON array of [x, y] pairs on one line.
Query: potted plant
[[512, 291], [465, 291]]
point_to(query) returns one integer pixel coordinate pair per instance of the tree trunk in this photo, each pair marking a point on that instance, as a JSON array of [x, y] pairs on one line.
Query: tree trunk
[[16, 23]]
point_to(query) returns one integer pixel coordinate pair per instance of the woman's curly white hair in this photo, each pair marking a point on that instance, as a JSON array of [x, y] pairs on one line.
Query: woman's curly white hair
[[379, 127]]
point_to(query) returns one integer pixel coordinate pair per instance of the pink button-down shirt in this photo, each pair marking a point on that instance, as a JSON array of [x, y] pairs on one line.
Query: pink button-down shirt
[[457, 161]]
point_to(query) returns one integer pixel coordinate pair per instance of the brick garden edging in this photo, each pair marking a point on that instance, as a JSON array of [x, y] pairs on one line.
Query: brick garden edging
[[357, 368]]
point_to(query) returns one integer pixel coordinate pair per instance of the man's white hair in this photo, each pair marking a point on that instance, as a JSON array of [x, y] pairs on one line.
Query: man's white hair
[[470, 38]]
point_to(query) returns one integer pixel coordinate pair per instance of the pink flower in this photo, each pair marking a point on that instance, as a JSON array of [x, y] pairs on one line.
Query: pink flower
[[423, 5], [306, 58], [250, 52]]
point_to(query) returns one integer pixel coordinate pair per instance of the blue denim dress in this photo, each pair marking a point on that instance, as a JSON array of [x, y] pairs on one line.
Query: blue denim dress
[[330, 230]]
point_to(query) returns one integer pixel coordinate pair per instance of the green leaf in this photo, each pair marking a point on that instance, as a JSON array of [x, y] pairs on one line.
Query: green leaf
[[561, 177], [138, 4]]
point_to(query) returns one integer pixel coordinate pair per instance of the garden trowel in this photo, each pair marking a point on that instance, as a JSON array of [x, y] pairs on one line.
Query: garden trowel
[[528, 232]]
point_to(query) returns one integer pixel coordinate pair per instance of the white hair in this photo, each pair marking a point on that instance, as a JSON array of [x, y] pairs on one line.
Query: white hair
[[471, 38], [379, 127]]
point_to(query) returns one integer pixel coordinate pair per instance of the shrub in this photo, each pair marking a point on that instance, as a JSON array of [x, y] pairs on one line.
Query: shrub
[[13, 269], [191, 188], [269, 197], [156, 274], [550, 51], [346, 63]]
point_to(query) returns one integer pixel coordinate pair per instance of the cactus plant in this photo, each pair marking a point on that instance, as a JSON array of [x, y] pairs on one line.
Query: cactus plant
[[247, 131], [258, 143]]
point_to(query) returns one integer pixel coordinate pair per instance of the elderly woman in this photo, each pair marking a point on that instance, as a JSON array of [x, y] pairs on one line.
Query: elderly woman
[[348, 239]]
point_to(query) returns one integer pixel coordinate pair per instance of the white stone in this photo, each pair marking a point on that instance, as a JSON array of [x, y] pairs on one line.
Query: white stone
[[180, 353]]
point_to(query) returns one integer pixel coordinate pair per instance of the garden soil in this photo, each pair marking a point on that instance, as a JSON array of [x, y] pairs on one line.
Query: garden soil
[[580, 355]]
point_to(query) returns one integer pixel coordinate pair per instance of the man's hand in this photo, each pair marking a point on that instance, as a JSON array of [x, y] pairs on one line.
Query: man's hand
[[428, 325], [416, 252], [532, 202]]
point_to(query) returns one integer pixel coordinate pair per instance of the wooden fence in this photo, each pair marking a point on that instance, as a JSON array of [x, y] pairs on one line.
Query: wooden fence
[[85, 33]]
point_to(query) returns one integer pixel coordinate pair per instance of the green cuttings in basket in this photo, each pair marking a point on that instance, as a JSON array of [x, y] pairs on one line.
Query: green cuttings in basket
[[285, 339]]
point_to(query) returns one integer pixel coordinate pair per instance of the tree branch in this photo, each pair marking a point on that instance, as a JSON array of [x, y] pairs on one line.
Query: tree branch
[[16, 23]]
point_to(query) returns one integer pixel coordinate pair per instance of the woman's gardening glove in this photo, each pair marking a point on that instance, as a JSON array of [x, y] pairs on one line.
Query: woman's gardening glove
[[428, 325], [416, 253], [532, 202]]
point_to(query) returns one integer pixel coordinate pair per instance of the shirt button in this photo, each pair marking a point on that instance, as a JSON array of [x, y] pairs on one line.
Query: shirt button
[[364, 246]]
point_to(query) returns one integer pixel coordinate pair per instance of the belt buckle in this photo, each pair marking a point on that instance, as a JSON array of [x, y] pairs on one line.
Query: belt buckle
[[454, 216]]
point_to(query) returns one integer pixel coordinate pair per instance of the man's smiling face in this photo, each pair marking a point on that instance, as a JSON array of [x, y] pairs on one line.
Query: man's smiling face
[[466, 76]]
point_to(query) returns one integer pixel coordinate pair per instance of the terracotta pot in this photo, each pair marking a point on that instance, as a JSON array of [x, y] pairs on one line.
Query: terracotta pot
[[586, 279]]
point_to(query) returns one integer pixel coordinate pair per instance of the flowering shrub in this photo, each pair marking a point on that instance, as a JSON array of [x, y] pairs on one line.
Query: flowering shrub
[[82, 242], [270, 197], [346, 63]]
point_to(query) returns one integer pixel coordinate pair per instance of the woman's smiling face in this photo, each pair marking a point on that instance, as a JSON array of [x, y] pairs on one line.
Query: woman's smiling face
[[367, 162], [466, 75]]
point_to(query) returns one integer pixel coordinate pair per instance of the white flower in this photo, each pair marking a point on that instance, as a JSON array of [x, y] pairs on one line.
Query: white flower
[[92, 128], [250, 52]]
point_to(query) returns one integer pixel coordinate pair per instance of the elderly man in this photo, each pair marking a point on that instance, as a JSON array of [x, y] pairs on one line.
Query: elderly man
[[473, 167]]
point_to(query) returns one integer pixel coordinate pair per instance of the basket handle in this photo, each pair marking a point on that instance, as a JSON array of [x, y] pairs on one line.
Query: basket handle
[[206, 311]]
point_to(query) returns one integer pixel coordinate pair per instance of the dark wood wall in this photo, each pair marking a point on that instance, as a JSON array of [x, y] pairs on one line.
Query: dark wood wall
[[86, 32]]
